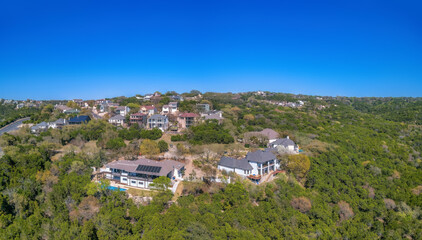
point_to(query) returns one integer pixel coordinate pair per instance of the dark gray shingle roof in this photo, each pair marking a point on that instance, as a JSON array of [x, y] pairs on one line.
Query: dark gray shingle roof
[[284, 142], [117, 117], [235, 163], [158, 116], [260, 156]]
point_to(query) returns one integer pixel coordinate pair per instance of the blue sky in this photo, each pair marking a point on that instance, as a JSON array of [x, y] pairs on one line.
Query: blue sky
[[94, 49]]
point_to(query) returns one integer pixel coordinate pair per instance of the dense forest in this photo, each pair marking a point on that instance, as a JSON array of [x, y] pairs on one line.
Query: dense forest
[[364, 179]]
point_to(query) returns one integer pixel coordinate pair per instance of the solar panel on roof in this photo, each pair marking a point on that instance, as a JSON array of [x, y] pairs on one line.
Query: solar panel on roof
[[145, 168]]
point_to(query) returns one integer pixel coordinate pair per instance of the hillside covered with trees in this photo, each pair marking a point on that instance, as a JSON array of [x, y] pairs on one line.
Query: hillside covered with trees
[[362, 179]]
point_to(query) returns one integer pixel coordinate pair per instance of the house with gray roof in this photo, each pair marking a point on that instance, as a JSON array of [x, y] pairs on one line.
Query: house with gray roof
[[40, 127], [158, 121], [286, 143], [117, 120], [213, 114], [122, 110], [141, 173], [254, 165], [239, 166], [59, 123]]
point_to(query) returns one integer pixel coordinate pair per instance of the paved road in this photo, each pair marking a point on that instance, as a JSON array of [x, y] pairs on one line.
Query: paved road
[[12, 127]]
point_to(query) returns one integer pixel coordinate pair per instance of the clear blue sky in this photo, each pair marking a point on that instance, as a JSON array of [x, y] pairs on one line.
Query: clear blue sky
[[92, 49]]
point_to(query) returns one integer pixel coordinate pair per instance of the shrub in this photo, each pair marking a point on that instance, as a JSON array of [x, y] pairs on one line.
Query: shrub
[[115, 143], [178, 138], [389, 203], [345, 211], [153, 134], [302, 204], [163, 146], [149, 147]]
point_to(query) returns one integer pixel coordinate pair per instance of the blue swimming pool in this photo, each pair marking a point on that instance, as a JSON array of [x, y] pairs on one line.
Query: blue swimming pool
[[116, 188]]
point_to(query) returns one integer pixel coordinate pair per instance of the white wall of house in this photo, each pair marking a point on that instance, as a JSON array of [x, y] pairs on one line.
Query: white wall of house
[[166, 110], [238, 171], [255, 168]]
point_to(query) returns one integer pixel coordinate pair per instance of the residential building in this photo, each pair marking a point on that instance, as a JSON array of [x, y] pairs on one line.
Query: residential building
[[213, 114], [59, 123], [71, 111], [173, 107], [117, 120], [158, 121], [241, 167], [61, 108], [148, 110], [186, 120], [203, 107], [148, 96], [102, 101], [79, 120], [141, 173], [102, 107], [176, 98], [253, 166], [122, 110], [20, 105], [156, 98], [40, 127], [138, 118], [287, 143], [165, 110], [80, 102], [267, 134]]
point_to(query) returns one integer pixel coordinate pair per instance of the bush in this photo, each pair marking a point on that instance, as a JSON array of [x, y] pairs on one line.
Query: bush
[[178, 138], [163, 146], [210, 132], [115, 143], [153, 134], [299, 164], [302, 204], [346, 211], [149, 147]]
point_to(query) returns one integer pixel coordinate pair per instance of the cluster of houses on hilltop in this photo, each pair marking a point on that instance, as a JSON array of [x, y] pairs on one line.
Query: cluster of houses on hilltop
[[261, 162], [148, 116]]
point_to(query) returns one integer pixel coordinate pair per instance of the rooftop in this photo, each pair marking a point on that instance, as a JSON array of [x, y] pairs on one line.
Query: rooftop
[[157, 116], [235, 163], [192, 115], [260, 156], [147, 166], [80, 119], [117, 117], [283, 141]]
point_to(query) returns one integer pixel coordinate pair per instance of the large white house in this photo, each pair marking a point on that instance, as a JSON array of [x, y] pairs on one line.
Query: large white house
[[254, 165], [158, 121], [141, 173]]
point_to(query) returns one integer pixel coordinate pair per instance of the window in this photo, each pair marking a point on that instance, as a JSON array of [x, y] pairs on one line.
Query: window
[[141, 183], [134, 182]]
